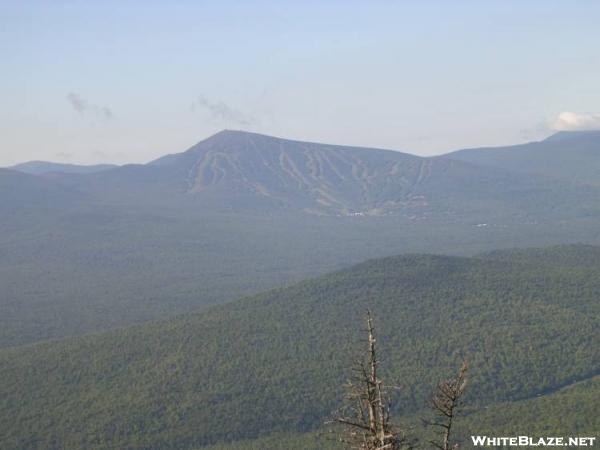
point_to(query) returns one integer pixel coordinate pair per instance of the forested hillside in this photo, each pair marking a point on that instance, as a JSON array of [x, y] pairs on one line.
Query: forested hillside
[[560, 413], [529, 322]]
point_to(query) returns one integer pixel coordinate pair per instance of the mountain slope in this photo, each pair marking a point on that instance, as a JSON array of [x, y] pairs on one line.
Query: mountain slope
[[569, 411], [244, 170], [276, 362], [19, 191], [298, 174], [44, 167], [572, 156]]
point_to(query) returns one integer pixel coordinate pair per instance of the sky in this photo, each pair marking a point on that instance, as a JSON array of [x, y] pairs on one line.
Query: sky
[[128, 81]]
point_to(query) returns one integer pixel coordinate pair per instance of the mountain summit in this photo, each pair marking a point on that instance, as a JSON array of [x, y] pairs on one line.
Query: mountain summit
[[566, 136], [314, 177], [253, 170], [572, 156]]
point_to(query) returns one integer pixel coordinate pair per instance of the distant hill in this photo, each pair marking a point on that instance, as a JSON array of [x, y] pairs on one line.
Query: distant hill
[[19, 191], [276, 362], [44, 167], [246, 170], [573, 156], [235, 171]]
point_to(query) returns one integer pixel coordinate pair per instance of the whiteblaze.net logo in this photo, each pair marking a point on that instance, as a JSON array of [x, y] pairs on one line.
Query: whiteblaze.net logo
[[528, 441]]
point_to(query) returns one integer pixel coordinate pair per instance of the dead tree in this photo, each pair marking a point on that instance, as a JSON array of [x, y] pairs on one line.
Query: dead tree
[[446, 401], [367, 417]]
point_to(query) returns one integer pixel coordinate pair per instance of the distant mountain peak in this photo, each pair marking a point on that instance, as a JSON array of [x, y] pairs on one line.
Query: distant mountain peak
[[255, 168], [570, 156], [232, 132], [252, 171], [239, 136], [44, 167], [565, 135]]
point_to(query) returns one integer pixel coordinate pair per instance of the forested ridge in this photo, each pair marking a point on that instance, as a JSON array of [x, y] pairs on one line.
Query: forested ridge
[[570, 411], [528, 321]]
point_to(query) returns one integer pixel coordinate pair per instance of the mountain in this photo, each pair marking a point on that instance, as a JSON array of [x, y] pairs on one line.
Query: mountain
[[247, 167], [240, 172], [239, 213], [529, 323], [247, 170], [44, 167], [236, 171], [573, 156], [19, 191]]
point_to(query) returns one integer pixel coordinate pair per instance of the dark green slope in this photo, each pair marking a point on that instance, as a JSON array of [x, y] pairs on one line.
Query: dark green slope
[[275, 362], [570, 411], [316, 440], [572, 156]]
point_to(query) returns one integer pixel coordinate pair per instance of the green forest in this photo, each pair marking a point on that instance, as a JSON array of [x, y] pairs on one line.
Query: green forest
[[274, 364]]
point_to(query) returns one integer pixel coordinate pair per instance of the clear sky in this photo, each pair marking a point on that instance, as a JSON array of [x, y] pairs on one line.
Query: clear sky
[[128, 81]]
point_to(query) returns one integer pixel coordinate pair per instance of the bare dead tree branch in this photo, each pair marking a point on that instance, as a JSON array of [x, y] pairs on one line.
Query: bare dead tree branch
[[446, 401], [367, 417]]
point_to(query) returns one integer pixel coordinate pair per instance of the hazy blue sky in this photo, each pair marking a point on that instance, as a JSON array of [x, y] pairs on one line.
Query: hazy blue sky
[[128, 81]]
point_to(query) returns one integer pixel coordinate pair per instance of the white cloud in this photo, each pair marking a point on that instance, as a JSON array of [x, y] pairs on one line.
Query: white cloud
[[83, 107], [570, 121], [221, 112]]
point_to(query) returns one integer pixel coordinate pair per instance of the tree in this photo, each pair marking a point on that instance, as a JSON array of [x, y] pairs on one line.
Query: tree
[[446, 401], [367, 416]]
